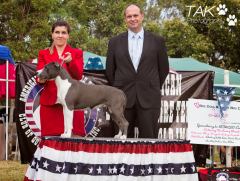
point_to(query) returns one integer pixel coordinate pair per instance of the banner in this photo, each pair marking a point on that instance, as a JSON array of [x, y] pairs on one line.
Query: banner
[[207, 127], [172, 121]]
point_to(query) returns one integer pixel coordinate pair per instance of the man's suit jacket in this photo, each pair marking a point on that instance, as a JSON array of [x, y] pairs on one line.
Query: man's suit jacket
[[151, 73], [75, 69]]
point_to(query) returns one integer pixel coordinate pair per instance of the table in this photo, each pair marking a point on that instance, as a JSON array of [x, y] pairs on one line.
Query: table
[[89, 159]]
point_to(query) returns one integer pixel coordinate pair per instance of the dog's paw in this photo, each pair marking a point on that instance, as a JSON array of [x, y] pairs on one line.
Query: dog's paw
[[117, 136], [63, 135], [123, 137], [66, 135]]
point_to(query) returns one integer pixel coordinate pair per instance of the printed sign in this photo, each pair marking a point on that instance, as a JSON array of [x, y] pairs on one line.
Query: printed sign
[[206, 127]]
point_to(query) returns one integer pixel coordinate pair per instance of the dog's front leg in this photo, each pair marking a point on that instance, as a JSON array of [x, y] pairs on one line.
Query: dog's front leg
[[68, 122]]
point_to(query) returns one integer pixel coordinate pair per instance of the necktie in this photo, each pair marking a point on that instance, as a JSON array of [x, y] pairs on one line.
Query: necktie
[[136, 52]]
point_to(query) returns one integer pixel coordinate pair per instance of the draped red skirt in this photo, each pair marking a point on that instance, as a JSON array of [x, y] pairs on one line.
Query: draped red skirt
[[52, 121]]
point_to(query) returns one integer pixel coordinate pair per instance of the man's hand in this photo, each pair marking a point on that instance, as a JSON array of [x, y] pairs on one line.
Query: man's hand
[[41, 81]]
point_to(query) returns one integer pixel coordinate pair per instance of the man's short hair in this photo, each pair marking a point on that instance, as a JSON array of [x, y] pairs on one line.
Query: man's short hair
[[134, 5]]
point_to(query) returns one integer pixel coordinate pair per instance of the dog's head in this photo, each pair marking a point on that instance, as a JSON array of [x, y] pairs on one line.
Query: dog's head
[[50, 71]]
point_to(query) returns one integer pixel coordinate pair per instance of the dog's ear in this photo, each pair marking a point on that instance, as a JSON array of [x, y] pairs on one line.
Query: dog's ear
[[57, 64]]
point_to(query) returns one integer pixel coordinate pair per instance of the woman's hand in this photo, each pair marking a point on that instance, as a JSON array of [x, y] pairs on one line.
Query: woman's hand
[[41, 81], [68, 59]]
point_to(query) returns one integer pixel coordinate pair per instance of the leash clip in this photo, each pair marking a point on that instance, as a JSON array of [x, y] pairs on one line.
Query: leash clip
[[62, 61]]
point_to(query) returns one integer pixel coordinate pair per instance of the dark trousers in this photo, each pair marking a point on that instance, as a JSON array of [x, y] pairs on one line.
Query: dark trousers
[[145, 119]]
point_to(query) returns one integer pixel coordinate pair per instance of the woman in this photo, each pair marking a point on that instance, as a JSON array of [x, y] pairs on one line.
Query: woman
[[51, 112]]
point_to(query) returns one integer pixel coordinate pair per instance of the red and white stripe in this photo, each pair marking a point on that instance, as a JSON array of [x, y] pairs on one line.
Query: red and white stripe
[[172, 71], [30, 119]]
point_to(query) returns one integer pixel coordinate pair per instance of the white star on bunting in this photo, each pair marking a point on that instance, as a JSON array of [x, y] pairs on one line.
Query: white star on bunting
[[225, 92], [122, 169], [143, 171], [110, 170], [114, 169], [183, 169], [90, 169], [58, 168], [159, 170], [45, 164], [76, 169], [64, 167], [33, 163], [132, 170], [172, 170], [149, 170], [99, 170], [193, 168]]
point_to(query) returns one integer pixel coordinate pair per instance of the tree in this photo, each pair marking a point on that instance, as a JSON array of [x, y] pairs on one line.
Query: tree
[[160, 10], [98, 21], [225, 38], [25, 26], [182, 40]]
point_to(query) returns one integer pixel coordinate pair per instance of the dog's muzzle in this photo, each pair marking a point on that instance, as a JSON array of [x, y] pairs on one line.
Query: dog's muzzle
[[38, 72]]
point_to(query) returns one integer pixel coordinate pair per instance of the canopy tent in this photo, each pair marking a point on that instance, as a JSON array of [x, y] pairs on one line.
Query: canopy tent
[[5, 53], [87, 55], [7, 89], [189, 64]]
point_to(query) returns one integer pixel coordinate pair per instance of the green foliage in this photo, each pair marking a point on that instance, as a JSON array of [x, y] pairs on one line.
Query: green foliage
[[182, 40], [159, 10], [225, 38], [99, 20], [153, 27], [25, 27], [102, 18]]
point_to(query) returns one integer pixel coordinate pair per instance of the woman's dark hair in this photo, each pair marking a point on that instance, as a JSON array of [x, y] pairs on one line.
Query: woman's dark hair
[[61, 23]]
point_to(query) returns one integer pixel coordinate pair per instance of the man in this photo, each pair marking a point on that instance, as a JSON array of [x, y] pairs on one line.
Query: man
[[137, 63]]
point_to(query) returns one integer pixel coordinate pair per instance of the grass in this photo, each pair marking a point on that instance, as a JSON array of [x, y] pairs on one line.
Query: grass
[[11, 170]]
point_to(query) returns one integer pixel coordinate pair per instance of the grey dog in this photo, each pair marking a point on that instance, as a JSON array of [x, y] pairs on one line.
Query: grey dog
[[75, 95]]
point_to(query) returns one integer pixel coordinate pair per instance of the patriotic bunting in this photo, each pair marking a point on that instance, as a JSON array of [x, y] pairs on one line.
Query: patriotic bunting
[[224, 96], [90, 160]]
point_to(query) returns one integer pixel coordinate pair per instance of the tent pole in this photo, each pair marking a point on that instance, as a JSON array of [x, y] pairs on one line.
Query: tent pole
[[228, 148], [7, 62]]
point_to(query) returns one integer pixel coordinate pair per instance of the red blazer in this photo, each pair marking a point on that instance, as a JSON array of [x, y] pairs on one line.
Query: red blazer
[[75, 69]]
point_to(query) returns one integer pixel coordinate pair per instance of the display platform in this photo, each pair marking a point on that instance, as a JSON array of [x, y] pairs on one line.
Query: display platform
[[91, 159]]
